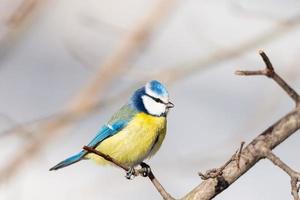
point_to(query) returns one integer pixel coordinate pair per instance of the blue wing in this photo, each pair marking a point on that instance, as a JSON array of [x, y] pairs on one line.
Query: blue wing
[[107, 131], [118, 121]]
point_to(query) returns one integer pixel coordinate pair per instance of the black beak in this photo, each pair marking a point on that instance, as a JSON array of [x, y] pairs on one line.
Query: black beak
[[170, 104]]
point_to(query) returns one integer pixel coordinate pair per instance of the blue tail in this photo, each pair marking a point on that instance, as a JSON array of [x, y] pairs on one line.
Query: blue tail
[[69, 161]]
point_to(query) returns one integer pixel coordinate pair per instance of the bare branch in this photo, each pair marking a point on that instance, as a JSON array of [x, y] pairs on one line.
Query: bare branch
[[250, 155], [149, 174], [291, 118], [106, 157], [214, 173], [270, 72], [295, 176]]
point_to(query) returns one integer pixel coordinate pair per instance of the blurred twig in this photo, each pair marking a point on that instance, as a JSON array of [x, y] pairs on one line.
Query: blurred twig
[[86, 99], [21, 129], [23, 10], [49, 129], [127, 49], [15, 20], [186, 69], [183, 70]]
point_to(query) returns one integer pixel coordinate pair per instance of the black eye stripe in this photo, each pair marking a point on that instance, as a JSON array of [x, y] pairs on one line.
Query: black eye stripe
[[156, 99]]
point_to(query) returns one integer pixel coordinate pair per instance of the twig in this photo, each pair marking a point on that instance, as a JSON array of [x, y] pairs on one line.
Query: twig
[[214, 173], [178, 72], [16, 19], [269, 72], [238, 154], [141, 171], [106, 157], [295, 176], [87, 98], [23, 10], [250, 155], [118, 62], [16, 125]]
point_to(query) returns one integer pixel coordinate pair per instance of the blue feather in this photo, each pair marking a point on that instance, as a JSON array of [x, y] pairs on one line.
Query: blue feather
[[158, 88], [106, 132], [69, 161], [137, 100]]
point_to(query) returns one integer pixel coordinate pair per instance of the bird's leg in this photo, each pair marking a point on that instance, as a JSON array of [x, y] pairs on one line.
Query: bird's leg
[[146, 170], [130, 173]]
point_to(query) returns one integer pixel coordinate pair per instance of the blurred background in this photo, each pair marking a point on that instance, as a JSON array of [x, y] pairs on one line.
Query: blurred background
[[66, 66]]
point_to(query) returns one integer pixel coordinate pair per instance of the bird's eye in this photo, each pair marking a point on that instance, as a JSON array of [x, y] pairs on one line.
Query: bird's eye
[[156, 99]]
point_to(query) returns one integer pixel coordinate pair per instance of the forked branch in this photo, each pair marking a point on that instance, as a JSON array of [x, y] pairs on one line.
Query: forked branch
[[255, 150], [259, 148], [270, 72], [295, 176]]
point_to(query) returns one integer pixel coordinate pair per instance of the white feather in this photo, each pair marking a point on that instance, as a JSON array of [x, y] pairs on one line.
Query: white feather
[[153, 107]]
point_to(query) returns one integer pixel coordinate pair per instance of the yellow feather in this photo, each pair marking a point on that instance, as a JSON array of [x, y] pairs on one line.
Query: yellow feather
[[140, 139]]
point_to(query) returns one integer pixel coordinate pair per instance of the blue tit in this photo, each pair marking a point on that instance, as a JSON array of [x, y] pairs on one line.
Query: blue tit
[[135, 132]]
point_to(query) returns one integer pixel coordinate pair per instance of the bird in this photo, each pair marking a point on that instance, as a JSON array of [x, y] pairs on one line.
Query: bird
[[134, 133]]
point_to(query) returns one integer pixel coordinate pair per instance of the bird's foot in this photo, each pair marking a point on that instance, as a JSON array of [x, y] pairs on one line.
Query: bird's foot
[[145, 170], [130, 173]]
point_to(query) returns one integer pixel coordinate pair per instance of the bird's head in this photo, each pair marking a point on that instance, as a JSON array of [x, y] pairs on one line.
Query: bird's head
[[152, 99]]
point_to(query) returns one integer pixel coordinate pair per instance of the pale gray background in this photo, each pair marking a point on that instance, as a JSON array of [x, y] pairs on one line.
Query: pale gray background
[[45, 65]]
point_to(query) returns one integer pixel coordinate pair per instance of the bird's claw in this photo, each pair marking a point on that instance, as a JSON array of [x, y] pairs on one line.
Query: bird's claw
[[146, 170], [130, 174]]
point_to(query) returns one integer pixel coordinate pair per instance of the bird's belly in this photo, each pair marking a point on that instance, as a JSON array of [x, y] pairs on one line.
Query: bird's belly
[[135, 142]]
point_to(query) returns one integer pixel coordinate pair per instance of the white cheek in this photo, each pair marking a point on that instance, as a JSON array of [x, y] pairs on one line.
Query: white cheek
[[153, 107]]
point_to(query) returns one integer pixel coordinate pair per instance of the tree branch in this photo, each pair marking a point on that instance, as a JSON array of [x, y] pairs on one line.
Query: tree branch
[[255, 151], [149, 174], [214, 173], [295, 176], [217, 180], [269, 72]]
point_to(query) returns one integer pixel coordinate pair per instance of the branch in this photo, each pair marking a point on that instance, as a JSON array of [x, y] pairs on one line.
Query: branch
[[217, 180], [215, 173], [255, 151], [148, 173], [89, 96], [269, 72], [295, 176], [49, 129]]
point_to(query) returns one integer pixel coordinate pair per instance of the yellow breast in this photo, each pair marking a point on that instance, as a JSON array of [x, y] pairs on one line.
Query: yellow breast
[[140, 139]]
